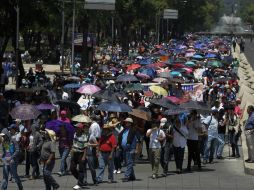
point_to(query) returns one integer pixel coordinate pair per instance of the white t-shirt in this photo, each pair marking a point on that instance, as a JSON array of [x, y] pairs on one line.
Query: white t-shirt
[[95, 130], [154, 143], [178, 139], [213, 126]]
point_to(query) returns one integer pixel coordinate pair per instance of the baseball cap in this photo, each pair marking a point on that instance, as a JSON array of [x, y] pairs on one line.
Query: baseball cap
[[163, 121]]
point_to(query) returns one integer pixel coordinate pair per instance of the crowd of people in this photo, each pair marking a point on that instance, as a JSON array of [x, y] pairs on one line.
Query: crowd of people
[[155, 102]]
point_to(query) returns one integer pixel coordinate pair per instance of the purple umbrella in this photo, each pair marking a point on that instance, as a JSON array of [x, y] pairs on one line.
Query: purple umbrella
[[25, 112], [55, 126], [45, 107]]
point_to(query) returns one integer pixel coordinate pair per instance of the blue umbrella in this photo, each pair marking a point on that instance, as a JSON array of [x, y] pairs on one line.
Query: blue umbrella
[[146, 61], [197, 56], [72, 86], [114, 107], [210, 55], [126, 78], [175, 73], [149, 71], [56, 124]]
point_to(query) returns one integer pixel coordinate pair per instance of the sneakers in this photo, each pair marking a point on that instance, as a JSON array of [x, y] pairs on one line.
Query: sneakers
[[76, 187], [119, 171], [154, 176], [115, 171], [60, 174]]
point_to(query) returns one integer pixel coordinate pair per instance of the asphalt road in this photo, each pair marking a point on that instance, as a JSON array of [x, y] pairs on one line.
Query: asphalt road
[[223, 174]]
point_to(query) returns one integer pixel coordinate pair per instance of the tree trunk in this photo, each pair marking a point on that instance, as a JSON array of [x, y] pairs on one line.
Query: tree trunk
[[4, 45]]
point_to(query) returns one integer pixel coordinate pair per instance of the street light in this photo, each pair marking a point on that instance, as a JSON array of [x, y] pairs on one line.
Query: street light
[[73, 36], [17, 44]]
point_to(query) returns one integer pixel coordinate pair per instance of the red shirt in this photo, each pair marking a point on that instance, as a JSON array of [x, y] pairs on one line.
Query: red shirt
[[107, 143]]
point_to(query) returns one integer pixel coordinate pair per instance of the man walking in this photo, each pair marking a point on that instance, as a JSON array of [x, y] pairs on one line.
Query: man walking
[[249, 132]]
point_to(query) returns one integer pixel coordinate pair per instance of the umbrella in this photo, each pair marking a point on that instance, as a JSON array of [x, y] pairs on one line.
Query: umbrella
[[175, 111], [214, 63], [210, 55], [25, 90], [197, 56], [134, 87], [25, 112], [126, 78], [133, 67], [143, 76], [158, 90], [106, 95], [45, 107], [176, 100], [190, 64], [165, 75], [88, 89], [194, 105], [67, 103], [72, 86], [73, 78], [145, 61], [142, 114], [149, 71], [111, 106], [81, 119], [160, 80], [163, 102], [155, 65], [175, 73], [55, 126]]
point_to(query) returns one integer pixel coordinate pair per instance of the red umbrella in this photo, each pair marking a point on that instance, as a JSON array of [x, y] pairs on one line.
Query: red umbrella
[[156, 65], [133, 67], [178, 65], [143, 76], [176, 100]]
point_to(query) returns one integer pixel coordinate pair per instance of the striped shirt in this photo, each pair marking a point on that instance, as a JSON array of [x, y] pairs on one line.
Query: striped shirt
[[80, 143]]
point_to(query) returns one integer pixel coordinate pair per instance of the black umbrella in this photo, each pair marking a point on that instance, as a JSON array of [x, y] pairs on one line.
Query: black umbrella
[[194, 105], [163, 102], [111, 106], [127, 78], [175, 111], [106, 95], [67, 103]]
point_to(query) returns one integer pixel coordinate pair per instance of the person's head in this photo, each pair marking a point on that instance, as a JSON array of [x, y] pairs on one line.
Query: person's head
[[18, 121], [250, 109], [79, 129], [128, 122], [215, 113], [5, 135], [63, 114], [13, 129], [163, 122]]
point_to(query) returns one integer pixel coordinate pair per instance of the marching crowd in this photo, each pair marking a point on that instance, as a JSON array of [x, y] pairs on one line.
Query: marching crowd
[[115, 137]]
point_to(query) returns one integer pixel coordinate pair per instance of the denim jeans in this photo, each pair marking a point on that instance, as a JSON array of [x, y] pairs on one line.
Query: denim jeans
[[64, 153], [79, 174], [118, 159], [130, 157], [91, 166], [34, 156], [7, 169], [179, 154], [210, 148], [47, 176], [103, 162], [220, 144]]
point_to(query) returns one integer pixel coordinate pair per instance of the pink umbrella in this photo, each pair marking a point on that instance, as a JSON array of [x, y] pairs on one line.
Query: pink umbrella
[[143, 76], [176, 100], [156, 65], [88, 89], [188, 70]]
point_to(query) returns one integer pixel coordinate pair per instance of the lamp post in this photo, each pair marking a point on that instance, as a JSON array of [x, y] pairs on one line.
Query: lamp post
[[17, 45], [62, 38], [73, 36]]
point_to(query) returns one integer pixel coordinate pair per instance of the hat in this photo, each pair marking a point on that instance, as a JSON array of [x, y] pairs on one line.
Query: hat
[[80, 126], [51, 134], [18, 120], [163, 121], [129, 120], [5, 132], [63, 112], [114, 122], [108, 126], [12, 126]]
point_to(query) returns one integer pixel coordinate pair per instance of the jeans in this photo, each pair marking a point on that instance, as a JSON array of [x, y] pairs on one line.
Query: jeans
[[179, 154], [118, 159], [220, 144], [34, 156], [233, 137], [193, 152], [64, 153], [47, 176], [28, 162], [166, 154], [7, 169], [103, 162], [130, 157], [90, 162], [210, 148], [76, 159], [155, 159]]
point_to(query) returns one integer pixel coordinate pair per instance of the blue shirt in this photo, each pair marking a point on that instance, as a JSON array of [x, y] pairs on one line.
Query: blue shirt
[[124, 141], [250, 122]]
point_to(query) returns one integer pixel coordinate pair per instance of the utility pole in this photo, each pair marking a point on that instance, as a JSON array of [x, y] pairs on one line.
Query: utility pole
[[62, 38], [73, 36], [17, 45], [112, 28]]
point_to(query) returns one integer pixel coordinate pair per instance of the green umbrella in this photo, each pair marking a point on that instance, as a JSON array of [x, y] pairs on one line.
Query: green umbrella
[[190, 64], [214, 63], [134, 87]]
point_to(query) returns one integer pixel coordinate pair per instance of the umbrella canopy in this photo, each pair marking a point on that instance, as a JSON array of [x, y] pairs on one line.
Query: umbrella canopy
[[176, 100], [160, 80], [73, 78], [210, 55], [190, 64], [165, 75], [126, 78], [25, 112], [142, 114], [175, 111], [146, 61], [194, 105], [158, 90], [214, 63], [163, 102], [106, 95], [56, 124], [197, 56], [175, 73], [149, 71], [45, 107], [72, 86], [88, 89], [81, 119], [143, 76], [114, 107], [133, 67], [134, 87]]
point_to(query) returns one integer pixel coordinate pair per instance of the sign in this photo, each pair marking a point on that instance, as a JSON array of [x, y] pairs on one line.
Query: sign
[[108, 5], [170, 14]]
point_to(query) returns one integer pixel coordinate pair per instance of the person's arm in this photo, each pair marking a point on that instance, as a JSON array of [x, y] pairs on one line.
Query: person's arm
[[84, 154], [113, 144], [149, 132], [52, 154], [40, 142]]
